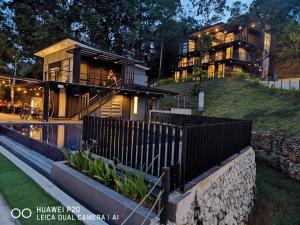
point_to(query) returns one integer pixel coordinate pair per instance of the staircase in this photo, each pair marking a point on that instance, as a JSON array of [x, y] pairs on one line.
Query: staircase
[[112, 108], [107, 101]]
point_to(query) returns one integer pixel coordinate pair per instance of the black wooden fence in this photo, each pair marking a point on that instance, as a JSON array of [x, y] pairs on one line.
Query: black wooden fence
[[137, 144], [188, 150]]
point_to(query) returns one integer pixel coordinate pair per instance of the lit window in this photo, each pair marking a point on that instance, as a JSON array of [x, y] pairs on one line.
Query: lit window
[[135, 104]]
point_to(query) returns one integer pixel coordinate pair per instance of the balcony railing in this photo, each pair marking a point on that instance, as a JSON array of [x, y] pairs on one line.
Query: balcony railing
[[247, 57], [184, 48], [96, 79]]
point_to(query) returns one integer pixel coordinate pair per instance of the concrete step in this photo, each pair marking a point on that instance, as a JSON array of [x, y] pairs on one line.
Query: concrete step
[[32, 158]]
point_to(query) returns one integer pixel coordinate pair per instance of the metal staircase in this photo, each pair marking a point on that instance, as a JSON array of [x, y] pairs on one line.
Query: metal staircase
[[102, 99]]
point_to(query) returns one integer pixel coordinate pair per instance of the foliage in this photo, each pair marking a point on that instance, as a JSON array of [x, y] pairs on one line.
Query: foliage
[[132, 28], [196, 89], [277, 198], [132, 186], [165, 81], [210, 11], [239, 98], [199, 73]]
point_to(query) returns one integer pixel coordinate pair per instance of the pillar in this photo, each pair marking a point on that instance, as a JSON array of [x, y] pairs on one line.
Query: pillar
[[76, 65], [46, 102]]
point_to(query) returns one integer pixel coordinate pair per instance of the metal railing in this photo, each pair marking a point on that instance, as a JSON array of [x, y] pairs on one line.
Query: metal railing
[[168, 140]]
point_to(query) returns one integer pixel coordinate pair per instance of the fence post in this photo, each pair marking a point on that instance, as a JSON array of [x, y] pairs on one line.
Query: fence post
[[183, 158], [222, 142], [281, 84], [165, 183], [299, 85], [290, 84]]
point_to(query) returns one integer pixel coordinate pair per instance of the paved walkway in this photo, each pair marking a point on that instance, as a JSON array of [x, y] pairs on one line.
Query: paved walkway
[[5, 217], [13, 118]]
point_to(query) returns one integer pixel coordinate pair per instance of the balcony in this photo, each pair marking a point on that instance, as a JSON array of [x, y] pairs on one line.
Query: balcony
[[247, 57], [95, 79]]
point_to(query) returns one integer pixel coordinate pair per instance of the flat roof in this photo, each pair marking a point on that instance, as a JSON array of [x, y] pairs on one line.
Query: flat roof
[[85, 49]]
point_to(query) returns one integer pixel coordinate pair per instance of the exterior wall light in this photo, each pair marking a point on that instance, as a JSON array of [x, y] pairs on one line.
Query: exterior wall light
[[135, 104]]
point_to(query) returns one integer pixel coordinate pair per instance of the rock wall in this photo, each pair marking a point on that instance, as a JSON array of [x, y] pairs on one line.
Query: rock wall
[[280, 150], [224, 197]]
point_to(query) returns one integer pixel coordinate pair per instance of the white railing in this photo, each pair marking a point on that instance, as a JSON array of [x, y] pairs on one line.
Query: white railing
[[288, 84]]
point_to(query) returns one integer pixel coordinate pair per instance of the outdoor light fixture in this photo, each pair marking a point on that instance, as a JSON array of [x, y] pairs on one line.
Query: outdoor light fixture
[[240, 27], [25, 92], [135, 104], [253, 25], [217, 29]]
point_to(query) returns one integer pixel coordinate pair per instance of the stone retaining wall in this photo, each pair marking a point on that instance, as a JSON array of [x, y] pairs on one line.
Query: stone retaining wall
[[223, 196], [280, 150]]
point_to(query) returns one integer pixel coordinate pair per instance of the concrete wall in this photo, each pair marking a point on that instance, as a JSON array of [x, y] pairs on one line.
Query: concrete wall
[[222, 196], [140, 76]]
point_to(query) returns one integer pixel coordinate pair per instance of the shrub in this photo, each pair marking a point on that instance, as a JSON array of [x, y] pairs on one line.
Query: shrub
[[195, 89], [132, 186], [169, 80]]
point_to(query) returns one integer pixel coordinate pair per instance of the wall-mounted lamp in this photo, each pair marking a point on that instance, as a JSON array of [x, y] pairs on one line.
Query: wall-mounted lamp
[[135, 104]]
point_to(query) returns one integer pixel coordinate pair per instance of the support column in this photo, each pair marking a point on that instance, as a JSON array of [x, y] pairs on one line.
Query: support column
[[271, 72], [146, 107], [46, 102], [76, 65]]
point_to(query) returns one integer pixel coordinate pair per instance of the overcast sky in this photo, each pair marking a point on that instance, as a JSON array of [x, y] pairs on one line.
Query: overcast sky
[[187, 4]]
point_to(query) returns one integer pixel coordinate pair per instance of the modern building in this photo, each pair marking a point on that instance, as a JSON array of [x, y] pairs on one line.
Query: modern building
[[82, 79], [242, 48]]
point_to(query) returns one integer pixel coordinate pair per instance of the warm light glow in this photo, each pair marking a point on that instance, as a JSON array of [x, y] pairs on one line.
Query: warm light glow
[[18, 89], [240, 27], [37, 94], [135, 104], [25, 92], [253, 25], [217, 30]]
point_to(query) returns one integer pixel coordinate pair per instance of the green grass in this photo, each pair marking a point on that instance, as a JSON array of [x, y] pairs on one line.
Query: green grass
[[20, 191], [236, 98], [277, 198]]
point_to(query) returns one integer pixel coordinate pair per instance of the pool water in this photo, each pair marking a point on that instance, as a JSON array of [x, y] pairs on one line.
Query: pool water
[[58, 135]]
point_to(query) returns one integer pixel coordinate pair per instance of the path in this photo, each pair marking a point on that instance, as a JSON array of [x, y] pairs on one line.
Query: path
[[5, 213], [13, 118]]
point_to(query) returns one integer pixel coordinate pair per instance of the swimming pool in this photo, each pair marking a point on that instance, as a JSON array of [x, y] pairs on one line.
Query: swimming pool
[[57, 135]]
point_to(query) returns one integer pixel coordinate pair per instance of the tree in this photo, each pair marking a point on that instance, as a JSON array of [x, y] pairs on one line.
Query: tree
[[210, 11], [236, 11], [203, 45]]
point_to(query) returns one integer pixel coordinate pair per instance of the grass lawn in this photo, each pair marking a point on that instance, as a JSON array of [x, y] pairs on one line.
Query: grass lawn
[[277, 199], [20, 191], [231, 97]]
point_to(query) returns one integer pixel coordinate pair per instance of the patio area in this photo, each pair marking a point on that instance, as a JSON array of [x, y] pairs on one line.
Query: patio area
[[14, 118]]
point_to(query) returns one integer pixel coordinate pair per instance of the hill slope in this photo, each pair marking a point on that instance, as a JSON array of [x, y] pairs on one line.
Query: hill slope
[[236, 98]]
